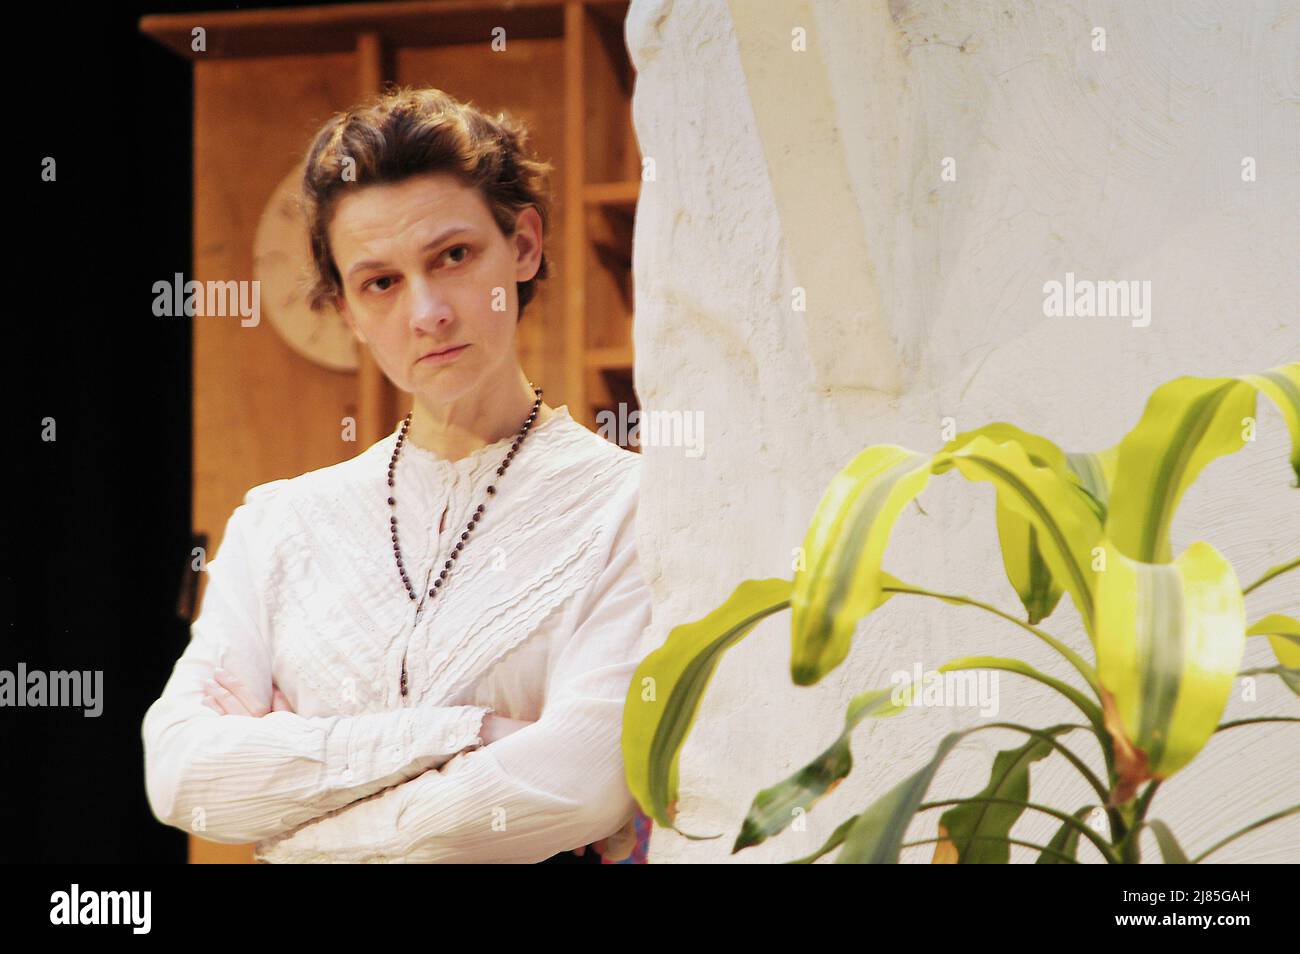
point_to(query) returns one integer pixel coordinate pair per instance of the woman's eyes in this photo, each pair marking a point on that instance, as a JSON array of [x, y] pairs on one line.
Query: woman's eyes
[[389, 278]]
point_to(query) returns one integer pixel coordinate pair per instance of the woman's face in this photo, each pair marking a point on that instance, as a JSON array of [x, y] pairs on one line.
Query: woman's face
[[424, 267]]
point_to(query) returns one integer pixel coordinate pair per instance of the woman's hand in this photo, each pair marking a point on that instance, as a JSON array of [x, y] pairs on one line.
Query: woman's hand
[[495, 727], [226, 694]]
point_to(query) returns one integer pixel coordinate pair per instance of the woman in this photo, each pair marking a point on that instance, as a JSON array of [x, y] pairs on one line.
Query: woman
[[420, 654]]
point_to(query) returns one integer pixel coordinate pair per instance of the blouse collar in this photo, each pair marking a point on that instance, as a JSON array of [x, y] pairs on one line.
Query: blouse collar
[[477, 459]]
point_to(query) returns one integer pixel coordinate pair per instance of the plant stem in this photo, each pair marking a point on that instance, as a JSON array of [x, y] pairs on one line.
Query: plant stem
[[1078, 662], [1249, 828], [1100, 843], [1073, 759], [1276, 571], [1236, 722], [1010, 841], [1130, 847]]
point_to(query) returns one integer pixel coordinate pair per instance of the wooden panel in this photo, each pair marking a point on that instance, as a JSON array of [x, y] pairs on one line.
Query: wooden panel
[[260, 410], [261, 33]]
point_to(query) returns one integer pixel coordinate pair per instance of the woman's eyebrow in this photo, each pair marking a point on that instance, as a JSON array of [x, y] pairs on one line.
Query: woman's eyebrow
[[437, 239]]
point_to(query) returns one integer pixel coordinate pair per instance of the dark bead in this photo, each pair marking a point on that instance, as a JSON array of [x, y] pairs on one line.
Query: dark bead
[[390, 480], [500, 471], [464, 536], [454, 554], [442, 575], [480, 508], [447, 564], [437, 582], [492, 489], [459, 545], [392, 502]]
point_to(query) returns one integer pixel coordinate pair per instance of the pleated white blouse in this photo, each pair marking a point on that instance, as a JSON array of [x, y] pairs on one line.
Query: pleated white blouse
[[541, 617]]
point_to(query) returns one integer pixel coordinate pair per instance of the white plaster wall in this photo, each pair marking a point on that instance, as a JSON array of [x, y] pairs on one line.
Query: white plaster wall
[[776, 169]]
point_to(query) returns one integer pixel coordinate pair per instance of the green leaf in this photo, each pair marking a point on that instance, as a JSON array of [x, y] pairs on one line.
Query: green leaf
[[876, 835], [977, 830], [834, 841], [669, 685], [773, 809], [1169, 849], [1065, 841]]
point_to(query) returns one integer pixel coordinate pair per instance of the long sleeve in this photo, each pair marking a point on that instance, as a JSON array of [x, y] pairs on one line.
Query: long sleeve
[[241, 779], [550, 787]]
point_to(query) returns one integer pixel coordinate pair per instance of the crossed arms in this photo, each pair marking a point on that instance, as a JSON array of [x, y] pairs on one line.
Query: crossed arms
[[405, 785]]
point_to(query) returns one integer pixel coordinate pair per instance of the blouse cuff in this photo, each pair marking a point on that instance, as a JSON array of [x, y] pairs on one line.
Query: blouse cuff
[[445, 731]]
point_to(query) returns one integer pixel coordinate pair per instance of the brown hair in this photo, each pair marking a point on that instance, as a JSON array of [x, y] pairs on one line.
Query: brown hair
[[405, 132]]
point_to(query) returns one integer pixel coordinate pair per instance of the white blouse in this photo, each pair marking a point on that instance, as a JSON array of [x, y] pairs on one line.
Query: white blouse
[[540, 618]]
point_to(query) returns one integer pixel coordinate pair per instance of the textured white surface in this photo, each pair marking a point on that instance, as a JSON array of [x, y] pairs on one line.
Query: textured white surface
[[777, 170]]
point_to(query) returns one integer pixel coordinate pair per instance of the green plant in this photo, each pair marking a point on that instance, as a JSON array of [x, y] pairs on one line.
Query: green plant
[[1168, 634]]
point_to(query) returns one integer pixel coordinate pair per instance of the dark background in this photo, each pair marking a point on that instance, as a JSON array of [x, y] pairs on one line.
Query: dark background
[[96, 534]]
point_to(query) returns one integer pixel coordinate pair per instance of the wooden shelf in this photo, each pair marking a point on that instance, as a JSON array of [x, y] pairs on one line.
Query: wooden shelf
[[619, 195], [616, 358]]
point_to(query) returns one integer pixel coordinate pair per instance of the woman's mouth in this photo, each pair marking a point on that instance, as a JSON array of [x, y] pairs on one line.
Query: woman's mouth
[[439, 357]]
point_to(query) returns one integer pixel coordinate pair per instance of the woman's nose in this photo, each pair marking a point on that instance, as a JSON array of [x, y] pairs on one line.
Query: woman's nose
[[428, 306]]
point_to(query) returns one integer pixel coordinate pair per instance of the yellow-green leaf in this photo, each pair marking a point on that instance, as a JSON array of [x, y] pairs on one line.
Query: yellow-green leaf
[[1170, 642], [1066, 526], [1282, 385], [840, 579], [670, 683], [1095, 472], [1283, 634], [1187, 423], [1026, 569]]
